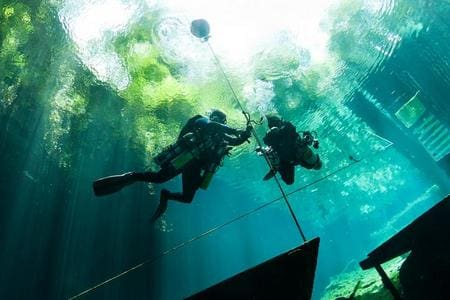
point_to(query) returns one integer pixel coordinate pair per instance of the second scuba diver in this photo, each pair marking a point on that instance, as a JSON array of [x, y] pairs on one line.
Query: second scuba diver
[[198, 152], [286, 149]]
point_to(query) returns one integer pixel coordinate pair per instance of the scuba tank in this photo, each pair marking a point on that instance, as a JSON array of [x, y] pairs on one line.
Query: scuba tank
[[177, 155], [307, 158], [183, 151], [180, 153], [219, 152], [208, 175], [304, 155]]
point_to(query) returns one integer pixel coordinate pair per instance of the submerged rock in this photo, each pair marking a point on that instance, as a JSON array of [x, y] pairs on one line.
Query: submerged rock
[[370, 288]]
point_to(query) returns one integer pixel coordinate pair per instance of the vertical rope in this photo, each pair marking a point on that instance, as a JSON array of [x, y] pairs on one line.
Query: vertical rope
[[214, 229], [258, 141]]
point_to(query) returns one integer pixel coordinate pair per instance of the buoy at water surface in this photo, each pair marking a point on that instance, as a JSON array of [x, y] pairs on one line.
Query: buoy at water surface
[[200, 28]]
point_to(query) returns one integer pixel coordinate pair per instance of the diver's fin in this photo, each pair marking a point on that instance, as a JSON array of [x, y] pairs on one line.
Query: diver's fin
[[162, 207], [158, 212], [112, 184], [269, 175]]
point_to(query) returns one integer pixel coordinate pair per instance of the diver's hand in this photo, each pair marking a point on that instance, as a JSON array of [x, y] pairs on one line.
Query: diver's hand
[[247, 133]]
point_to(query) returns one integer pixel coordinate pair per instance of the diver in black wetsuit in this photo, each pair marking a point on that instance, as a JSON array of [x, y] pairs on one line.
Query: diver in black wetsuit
[[200, 148], [286, 149]]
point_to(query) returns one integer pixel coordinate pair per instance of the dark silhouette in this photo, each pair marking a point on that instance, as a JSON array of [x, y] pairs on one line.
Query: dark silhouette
[[286, 148], [197, 154]]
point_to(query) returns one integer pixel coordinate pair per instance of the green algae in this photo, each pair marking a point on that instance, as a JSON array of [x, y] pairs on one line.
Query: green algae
[[370, 288]]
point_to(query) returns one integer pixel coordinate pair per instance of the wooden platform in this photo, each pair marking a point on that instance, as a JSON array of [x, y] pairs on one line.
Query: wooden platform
[[287, 276], [430, 229], [425, 274]]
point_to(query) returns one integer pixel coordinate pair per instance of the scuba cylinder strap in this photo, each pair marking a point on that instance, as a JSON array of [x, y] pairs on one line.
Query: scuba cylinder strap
[[181, 152], [219, 152], [194, 145]]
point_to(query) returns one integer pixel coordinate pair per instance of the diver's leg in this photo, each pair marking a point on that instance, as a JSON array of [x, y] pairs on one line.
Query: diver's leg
[[112, 184], [156, 177], [191, 183], [318, 163], [270, 174], [287, 172], [192, 179]]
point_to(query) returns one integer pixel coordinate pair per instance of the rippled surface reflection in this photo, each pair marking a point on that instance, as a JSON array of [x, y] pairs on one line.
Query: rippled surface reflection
[[91, 88]]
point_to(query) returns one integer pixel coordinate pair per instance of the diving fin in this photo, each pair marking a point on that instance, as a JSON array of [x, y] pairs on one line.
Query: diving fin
[[269, 175], [112, 184], [162, 207]]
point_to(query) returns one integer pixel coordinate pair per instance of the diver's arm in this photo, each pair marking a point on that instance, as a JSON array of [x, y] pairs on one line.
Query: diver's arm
[[218, 127], [234, 141], [272, 136], [241, 137]]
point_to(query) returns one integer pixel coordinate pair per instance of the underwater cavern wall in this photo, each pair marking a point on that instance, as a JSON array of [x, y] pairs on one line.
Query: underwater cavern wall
[[93, 88]]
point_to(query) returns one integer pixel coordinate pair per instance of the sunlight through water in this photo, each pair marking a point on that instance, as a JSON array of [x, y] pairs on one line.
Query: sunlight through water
[[239, 28], [92, 88]]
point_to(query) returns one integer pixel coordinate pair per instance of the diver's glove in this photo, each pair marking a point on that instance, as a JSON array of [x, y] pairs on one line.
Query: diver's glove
[[246, 134]]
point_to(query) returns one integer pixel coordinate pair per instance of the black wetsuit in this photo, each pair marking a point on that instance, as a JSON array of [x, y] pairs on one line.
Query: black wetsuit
[[192, 173], [292, 150], [283, 140]]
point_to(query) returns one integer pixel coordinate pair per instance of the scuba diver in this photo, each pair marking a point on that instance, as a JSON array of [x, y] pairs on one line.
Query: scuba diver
[[286, 148], [197, 154]]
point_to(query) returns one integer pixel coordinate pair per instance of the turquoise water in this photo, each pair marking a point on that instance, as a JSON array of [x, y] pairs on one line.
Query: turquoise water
[[93, 88]]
